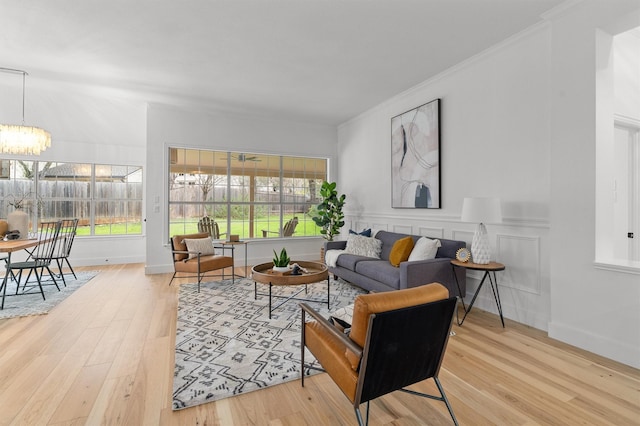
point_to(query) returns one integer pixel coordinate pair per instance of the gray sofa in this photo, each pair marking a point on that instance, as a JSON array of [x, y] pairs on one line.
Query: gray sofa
[[379, 275]]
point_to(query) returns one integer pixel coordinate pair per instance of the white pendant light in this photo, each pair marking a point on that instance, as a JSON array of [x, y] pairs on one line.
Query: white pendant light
[[18, 138]]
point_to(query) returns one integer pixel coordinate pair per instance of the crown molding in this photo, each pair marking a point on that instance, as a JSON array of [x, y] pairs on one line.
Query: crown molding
[[559, 10]]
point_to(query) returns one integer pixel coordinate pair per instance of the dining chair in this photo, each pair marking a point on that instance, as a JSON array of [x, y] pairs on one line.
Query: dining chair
[[40, 259], [66, 236]]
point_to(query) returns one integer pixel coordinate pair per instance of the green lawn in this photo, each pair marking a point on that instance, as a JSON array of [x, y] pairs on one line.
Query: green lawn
[[113, 229], [304, 228]]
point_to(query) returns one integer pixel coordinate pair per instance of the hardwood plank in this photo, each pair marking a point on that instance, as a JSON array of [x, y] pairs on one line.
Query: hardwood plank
[[105, 356], [113, 401], [21, 386], [81, 396], [41, 404]]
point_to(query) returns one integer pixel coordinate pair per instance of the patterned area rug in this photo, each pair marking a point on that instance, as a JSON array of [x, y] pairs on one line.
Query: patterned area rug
[[31, 302], [227, 345]]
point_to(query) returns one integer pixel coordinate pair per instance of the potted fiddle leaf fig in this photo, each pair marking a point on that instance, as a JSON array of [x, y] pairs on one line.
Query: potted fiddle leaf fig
[[281, 261], [329, 216]]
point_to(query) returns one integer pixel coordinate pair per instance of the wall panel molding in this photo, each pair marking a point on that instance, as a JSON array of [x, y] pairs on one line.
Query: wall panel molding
[[430, 231], [521, 257], [462, 235], [403, 229]]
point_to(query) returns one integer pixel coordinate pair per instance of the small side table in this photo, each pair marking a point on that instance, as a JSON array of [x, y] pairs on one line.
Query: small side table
[[225, 245], [487, 268]]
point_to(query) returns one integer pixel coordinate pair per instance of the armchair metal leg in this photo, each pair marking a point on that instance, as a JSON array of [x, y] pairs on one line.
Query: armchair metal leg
[[442, 398], [359, 415], [446, 401]]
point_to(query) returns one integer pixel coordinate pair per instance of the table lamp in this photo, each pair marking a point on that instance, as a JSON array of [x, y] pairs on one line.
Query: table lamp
[[481, 210]]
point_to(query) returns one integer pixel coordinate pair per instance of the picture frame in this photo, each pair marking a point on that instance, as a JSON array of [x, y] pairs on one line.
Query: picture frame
[[415, 157]]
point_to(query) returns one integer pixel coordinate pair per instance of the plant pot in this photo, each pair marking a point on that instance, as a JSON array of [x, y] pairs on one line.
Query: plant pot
[[19, 220], [280, 268]]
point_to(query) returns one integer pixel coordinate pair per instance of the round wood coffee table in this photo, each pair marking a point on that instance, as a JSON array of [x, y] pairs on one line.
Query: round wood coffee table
[[264, 274]]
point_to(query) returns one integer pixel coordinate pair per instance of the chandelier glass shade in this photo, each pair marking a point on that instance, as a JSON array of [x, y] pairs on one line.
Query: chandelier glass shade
[[22, 139], [16, 139]]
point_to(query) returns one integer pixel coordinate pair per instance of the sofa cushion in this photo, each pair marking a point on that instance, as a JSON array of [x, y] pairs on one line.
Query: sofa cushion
[[401, 250], [449, 248], [381, 271], [425, 249], [349, 261], [363, 246], [388, 240]]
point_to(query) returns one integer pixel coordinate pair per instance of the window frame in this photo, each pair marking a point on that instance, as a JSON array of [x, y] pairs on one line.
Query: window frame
[[251, 185], [52, 202]]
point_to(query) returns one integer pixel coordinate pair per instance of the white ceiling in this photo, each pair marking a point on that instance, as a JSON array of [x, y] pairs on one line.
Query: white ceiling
[[312, 60]]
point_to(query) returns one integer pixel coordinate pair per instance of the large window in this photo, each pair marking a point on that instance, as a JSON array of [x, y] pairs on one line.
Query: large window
[[107, 199], [618, 150], [251, 195]]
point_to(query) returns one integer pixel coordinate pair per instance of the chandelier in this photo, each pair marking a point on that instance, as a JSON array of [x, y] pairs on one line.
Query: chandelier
[[21, 139]]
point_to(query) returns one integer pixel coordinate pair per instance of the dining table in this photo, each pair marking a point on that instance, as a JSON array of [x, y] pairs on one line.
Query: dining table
[[9, 247]]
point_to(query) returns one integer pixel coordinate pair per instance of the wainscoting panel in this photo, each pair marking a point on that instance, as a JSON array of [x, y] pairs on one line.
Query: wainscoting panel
[[518, 244], [461, 235], [521, 256], [430, 232], [380, 226], [403, 229]]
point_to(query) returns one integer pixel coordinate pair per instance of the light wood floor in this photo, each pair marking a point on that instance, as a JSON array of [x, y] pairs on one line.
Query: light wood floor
[[105, 356]]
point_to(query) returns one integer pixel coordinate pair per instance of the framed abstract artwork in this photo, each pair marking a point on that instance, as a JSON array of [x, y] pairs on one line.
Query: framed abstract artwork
[[415, 157]]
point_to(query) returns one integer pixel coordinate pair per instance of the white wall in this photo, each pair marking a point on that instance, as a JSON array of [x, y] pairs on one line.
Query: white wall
[[98, 125], [495, 142], [517, 123], [90, 125], [171, 126], [596, 309]]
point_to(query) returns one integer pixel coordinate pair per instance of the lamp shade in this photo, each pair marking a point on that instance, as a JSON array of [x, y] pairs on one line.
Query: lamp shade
[[481, 210]]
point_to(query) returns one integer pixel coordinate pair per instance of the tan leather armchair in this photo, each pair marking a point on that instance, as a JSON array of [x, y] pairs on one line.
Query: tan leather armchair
[[397, 338], [200, 264]]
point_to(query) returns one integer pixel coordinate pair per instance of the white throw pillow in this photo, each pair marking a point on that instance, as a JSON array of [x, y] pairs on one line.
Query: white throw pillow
[[202, 245], [363, 246], [425, 248]]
